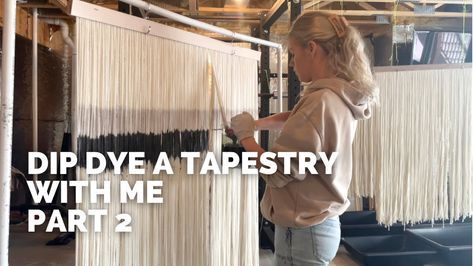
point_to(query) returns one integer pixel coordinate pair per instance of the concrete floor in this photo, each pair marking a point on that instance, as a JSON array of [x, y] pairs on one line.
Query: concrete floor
[[29, 249], [342, 258]]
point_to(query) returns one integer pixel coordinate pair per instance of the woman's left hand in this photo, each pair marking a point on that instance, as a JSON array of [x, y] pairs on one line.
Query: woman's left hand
[[243, 126]]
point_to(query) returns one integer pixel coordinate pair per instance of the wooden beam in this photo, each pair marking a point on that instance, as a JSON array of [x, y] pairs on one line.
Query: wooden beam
[[64, 5], [233, 17], [37, 5], [445, 24], [453, 2], [171, 7], [229, 18], [54, 13], [212, 35], [274, 13], [365, 22], [312, 3], [113, 6], [323, 4], [24, 25], [367, 13], [200, 9], [58, 16], [243, 10], [193, 6], [212, 19], [366, 6], [409, 5], [318, 4]]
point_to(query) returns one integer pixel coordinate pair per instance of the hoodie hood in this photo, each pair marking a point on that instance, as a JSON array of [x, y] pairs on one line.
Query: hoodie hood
[[358, 103]]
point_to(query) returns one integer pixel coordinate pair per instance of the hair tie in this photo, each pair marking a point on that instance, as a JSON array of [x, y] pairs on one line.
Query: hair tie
[[339, 24]]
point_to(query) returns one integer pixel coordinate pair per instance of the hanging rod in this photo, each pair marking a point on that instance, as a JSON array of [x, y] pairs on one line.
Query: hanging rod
[[150, 8]]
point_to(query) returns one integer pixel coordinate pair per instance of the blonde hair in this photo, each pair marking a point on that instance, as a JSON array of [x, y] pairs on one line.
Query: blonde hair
[[344, 47]]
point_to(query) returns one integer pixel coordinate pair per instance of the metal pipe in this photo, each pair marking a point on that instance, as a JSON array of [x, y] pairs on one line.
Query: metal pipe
[[73, 98], [198, 24], [34, 89], [280, 98], [6, 129], [64, 30], [205, 26]]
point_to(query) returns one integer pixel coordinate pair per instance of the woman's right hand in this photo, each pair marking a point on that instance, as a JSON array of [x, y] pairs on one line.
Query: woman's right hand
[[273, 122]]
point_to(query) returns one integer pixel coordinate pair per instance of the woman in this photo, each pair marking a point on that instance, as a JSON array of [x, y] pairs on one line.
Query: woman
[[328, 54]]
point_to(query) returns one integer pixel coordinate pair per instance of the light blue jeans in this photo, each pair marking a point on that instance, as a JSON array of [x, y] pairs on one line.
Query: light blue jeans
[[310, 246]]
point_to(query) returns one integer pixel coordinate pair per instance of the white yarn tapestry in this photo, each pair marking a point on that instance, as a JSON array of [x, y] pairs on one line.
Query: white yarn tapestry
[[414, 156], [138, 92]]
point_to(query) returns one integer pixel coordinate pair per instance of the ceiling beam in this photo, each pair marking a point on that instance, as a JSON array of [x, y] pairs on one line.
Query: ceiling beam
[[201, 9], [244, 10], [42, 5], [64, 5], [367, 13], [455, 2], [54, 13], [212, 19], [113, 6], [409, 5], [318, 4], [366, 6], [312, 3], [58, 16], [447, 24], [193, 6], [364, 22], [171, 7], [274, 13]]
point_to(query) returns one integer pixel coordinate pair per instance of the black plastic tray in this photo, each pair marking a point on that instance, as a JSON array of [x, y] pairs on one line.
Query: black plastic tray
[[358, 217], [363, 223], [452, 242], [391, 250]]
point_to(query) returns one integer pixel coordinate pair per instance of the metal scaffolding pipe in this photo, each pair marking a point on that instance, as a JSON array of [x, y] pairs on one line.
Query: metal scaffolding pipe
[[6, 129], [34, 89], [73, 96]]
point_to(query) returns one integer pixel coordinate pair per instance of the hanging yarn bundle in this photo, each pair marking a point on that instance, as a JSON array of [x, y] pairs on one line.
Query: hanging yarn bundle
[[415, 155], [138, 92]]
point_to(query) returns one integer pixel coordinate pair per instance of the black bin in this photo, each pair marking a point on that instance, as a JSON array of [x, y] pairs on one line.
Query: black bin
[[453, 243], [363, 223], [391, 250]]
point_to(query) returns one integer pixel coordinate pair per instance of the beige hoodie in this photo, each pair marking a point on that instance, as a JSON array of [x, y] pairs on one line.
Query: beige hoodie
[[324, 120]]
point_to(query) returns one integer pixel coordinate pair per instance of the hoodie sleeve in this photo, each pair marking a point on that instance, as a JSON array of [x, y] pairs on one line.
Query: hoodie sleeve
[[297, 135]]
